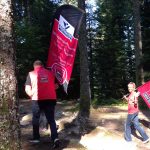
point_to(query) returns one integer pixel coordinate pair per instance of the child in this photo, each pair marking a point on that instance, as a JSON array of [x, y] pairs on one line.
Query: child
[[132, 117]]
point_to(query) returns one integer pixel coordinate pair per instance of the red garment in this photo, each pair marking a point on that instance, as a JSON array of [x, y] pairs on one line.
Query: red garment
[[133, 103], [145, 92], [42, 84]]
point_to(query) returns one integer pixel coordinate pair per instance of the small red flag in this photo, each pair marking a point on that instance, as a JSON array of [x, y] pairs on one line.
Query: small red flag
[[145, 92]]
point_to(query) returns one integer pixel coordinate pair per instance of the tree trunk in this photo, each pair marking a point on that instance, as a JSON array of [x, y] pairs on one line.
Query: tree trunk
[[138, 43], [85, 93], [9, 120]]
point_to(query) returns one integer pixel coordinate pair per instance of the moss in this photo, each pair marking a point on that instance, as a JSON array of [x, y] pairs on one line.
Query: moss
[[4, 107], [7, 141]]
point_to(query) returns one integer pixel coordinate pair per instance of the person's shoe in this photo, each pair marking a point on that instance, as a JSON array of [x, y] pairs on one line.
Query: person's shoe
[[34, 140], [56, 143], [146, 141]]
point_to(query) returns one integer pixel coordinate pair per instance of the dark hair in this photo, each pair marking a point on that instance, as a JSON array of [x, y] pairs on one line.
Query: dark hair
[[37, 63]]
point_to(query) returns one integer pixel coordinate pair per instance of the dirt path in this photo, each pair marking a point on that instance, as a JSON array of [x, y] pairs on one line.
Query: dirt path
[[105, 129]]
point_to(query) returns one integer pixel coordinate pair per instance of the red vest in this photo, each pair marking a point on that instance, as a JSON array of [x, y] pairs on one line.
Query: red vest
[[42, 84]]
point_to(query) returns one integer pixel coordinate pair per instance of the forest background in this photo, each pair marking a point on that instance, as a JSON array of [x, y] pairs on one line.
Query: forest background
[[113, 49], [110, 45]]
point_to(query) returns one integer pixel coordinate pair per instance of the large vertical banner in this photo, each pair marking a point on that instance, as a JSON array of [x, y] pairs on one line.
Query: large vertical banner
[[63, 42], [145, 92]]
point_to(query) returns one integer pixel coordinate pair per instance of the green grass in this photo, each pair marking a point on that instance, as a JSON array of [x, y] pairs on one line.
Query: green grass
[[74, 108], [116, 102], [108, 102]]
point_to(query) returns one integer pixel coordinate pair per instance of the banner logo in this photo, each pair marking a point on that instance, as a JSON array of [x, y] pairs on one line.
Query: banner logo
[[147, 96], [65, 27], [60, 72]]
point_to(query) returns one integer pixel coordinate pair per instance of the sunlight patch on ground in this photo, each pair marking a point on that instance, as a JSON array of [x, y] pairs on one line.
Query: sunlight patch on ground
[[26, 120], [100, 139]]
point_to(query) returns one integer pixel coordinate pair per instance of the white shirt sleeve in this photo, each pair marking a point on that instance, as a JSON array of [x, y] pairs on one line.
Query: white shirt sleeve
[[137, 94]]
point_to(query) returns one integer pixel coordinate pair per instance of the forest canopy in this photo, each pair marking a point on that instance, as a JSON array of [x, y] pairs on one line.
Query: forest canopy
[[110, 37]]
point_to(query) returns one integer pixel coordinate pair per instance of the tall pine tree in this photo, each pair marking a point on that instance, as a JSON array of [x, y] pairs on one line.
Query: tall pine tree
[[9, 119]]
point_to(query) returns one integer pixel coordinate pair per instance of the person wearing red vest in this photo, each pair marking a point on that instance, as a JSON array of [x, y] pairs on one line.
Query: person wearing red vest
[[40, 87], [132, 117]]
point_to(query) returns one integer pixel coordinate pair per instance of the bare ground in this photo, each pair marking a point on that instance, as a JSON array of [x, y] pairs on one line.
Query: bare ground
[[104, 130]]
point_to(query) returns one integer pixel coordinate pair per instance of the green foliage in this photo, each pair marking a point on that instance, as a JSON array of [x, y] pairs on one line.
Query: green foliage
[[113, 66], [146, 40], [107, 102], [110, 44], [32, 32]]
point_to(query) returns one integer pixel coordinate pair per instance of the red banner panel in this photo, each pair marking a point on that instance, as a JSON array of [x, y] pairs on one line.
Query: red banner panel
[[145, 92], [63, 43]]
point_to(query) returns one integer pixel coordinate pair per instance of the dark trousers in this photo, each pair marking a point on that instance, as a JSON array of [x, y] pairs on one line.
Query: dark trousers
[[48, 107]]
